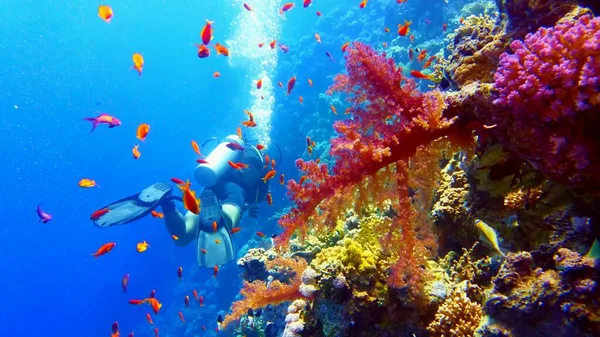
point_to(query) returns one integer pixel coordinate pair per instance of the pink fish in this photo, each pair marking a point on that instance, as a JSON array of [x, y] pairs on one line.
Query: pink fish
[[284, 48], [103, 118], [235, 146], [44, 217]]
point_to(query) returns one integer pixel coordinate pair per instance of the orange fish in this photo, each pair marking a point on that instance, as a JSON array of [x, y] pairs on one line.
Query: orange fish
[[261, 44], [216, 74], [444, 27], [345, 46], [309, 149], [318, 13], [286, 7], [291, 84], [142, 132], [384, 45], [214, 226], [247, 7], [269, 199], [461, 20], [149, 319], [235, 230], [181, 317], [195, 293], [318, 37], [203, 251], [175, 237], [261, 234], [310, 82], [347, 111], [405, 28], [429, 61], [272, 44], [87, 183], [259, 84], [221, 49], [155, 304], [142, 246], [217, 241], [155, 332], [99, 213], [281, 179], [137, 302], [138, 62], [190, 202], [196, 149], [386, 29], [105, 13], [363, 4], [260, 147], [273, 164], [136, 152], [301, 99], [234, 165], [206, 32], [307, 3], [157, 214], [420, 75], [422, 55], [180, 272], [333, 109], [215, 272], [280, 84], [412, 38], [201, 299], [203, 51], [186, 301], [107, 247], [269, 175], [267, 160], [177, 181], [249, 124]]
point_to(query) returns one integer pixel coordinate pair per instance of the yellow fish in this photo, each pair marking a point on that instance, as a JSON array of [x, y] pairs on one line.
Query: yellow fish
[[142, 246], [489, 233], [86, 183]]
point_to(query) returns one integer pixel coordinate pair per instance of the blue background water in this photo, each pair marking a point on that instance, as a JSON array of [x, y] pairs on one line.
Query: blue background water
[[59, 63]]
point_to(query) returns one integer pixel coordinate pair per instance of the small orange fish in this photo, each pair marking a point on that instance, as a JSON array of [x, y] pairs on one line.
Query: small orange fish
[[97, 214], [217, 241], [137, 302], [302, 180], [280, 84], [107, 247], [105, 13], [214, 226], [201, 161], [412, 38], [177, 181], [190, 202], [259, 84], [286, 7], [235, 230], [269, 199], [155, 332], [216, 74], [175, 237], [181, 317], [203, 250], [310, 83], [318, 37], [333, 109], [260, 147], [157, 214], [247, 7], [269, 175], [142, 132], [203, 51], [386, 29], [87, 183], [405, 28], [281, 179], [267, 160], [149, 319], [461, 20], [239, 132], [234, 165], [186, 301], [422, 55], [363, 4], [309, 149], [347, 111], [195, 293], [272, 44], [206, 32], [196, 149], [201, 299], [307, 3], [444, 27], [420, 75], [384, 45], [249, 124], [345, 46], [291, 84], [261, 234], [221, 49], [429, 61], [215, 272], [301, 100], [273, 164], [319, 13], [142, 246], [138, 62], [136, 152], [180, 272], [261, 44]]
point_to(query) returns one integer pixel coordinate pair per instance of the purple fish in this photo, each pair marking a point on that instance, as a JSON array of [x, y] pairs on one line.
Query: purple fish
[[284, 48], [44, 217], [103, 118], [330, 57], [235, 146]]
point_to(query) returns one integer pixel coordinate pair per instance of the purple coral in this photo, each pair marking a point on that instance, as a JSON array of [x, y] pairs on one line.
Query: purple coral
[[548, 92]]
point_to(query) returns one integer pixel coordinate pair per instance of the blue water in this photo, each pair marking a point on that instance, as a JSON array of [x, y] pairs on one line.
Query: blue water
[[59, 62]]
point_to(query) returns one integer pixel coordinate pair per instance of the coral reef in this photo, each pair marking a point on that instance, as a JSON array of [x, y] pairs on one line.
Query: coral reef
[[457, 316]]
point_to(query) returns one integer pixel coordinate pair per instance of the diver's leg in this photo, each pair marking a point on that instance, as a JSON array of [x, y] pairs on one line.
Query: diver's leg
[[232, 215], [184, 228], [232, 204]]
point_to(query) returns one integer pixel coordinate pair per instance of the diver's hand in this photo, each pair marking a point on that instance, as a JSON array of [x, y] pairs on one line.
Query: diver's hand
[[253, 210]]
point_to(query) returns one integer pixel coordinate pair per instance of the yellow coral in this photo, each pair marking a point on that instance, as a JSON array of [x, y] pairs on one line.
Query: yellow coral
[[457, 316], [517, 199]]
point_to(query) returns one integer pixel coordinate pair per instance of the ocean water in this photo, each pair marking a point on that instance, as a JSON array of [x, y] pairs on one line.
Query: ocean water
[[59, 63]]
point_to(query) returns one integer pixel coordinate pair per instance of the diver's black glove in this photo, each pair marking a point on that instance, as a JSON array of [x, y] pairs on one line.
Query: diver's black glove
[[168, 205], [253, 210]]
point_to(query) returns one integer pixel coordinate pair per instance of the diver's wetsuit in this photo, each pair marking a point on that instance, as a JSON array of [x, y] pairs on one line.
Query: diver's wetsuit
[[235, 191]]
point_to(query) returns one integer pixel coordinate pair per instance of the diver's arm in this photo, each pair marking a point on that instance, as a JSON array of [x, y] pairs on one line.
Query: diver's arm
[[182, 227]]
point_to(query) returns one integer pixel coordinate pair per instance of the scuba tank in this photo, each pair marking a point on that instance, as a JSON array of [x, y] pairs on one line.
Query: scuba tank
[[208, 174]]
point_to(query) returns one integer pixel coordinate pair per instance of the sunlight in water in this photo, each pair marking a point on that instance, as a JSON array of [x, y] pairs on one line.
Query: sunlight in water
[[262, 25]]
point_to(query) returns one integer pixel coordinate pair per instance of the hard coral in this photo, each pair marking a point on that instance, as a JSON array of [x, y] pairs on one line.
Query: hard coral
[[548, 91], [457, 316]]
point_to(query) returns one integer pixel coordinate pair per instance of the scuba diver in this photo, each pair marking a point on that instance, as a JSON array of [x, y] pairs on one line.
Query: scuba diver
[[225, 194]]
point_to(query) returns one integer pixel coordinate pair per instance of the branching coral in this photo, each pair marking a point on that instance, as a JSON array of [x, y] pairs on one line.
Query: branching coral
[[457, 316], [259, 294], [548, 92]]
